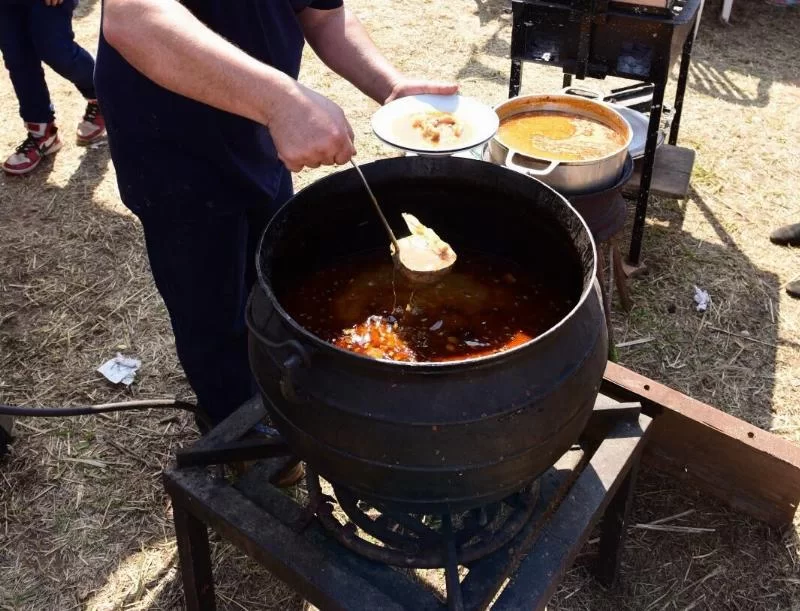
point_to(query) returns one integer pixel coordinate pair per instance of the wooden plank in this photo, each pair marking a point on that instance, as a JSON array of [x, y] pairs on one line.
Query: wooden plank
[[299, 562], [563, 537], [672, 172], [752, 470]]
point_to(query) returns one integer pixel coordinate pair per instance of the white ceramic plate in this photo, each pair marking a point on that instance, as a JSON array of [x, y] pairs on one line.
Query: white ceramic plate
[[480, 121]]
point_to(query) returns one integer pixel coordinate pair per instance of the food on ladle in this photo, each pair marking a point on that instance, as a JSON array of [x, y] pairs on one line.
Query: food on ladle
[[437, 127], [424, 250]]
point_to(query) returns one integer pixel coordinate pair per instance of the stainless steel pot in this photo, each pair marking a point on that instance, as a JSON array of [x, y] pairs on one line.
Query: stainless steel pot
[[566, 177]]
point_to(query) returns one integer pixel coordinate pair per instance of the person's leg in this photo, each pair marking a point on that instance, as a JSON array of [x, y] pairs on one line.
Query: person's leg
[[52, 35], [199, 268], [201, 242], [23, 63], [27, 77]]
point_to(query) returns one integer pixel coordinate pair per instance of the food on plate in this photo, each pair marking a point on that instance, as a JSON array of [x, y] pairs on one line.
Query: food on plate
[[559, 136], [438, 127]]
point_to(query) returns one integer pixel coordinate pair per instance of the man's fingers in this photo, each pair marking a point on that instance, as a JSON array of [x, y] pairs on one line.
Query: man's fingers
[[343, 156], [292, 166], [440, 88], [416, 87]]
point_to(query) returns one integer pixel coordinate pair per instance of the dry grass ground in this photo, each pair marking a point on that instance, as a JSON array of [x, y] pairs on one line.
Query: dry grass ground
[[83, 519]]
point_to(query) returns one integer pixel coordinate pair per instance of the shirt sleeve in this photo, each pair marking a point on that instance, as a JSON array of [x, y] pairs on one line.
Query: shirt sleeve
[[325, 5]]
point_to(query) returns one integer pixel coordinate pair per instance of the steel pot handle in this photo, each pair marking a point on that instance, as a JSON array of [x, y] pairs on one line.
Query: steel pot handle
[[509, 163], [297, 358]]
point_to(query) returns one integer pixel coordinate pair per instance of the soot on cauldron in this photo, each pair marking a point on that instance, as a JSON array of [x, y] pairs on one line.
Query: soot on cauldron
[[485, 305]]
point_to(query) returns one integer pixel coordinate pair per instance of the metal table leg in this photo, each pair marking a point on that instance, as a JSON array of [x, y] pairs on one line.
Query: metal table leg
[[195, 560], [515, 80], [612, 538], [647, 174], [683, 77]]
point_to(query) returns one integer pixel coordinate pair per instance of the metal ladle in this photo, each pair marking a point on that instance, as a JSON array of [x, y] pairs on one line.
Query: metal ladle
[[416, 258]]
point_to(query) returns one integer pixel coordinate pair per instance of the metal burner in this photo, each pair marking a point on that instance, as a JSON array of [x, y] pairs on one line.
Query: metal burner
[[417, 540]]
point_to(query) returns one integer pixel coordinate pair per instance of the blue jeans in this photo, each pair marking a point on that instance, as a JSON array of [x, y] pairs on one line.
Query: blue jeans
[[202, 230], [31, 33]]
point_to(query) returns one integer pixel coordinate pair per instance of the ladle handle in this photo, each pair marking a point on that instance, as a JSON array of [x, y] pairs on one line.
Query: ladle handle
[[377, 208]]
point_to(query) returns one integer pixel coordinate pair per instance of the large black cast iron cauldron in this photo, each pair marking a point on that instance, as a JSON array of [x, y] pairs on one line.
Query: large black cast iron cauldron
[[439, 436]]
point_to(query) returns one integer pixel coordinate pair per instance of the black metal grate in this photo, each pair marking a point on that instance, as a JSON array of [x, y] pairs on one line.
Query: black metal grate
[[383, 534]]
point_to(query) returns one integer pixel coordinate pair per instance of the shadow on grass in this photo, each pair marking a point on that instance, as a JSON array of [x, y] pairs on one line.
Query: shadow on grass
[[760, 45]]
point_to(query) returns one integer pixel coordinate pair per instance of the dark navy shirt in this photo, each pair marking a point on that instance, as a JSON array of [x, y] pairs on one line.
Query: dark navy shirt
[[157, 136]]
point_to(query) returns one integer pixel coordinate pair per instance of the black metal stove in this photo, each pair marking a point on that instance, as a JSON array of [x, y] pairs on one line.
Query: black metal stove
[[626, 39], [336, 550]]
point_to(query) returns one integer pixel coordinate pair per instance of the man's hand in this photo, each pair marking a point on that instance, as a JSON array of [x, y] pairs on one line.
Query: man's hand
[[405, 87], [53, 2], [309, 131]]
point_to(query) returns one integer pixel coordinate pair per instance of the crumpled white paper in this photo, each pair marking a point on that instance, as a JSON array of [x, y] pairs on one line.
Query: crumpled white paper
[[702, 299], [120, 370]]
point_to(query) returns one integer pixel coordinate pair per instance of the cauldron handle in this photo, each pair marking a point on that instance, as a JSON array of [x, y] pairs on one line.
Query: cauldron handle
[[299, 356]]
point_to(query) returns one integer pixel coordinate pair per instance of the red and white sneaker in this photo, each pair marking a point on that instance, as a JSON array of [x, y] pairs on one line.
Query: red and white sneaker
[[42, 140], [93, 125]]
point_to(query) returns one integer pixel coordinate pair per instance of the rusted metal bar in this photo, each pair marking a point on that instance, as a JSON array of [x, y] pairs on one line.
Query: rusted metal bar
[[754, 471]]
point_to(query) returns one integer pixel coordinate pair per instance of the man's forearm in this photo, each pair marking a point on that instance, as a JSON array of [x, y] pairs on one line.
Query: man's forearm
[[166, 43], [339, 39]]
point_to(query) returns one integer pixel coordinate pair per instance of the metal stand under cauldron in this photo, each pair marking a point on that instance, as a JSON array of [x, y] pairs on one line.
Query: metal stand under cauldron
[[320, 549]]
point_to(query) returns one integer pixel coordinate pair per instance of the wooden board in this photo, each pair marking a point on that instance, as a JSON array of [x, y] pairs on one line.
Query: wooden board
[[672, 172], [752, 470]]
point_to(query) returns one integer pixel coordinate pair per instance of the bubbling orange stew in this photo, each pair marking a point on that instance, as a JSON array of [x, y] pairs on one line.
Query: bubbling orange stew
[[484, 306]]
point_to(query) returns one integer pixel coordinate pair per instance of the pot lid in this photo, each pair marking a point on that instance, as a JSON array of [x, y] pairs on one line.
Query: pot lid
[[639, 123]]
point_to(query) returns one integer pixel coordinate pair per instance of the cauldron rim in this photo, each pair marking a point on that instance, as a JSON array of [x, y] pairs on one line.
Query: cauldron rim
[[424, 366]]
